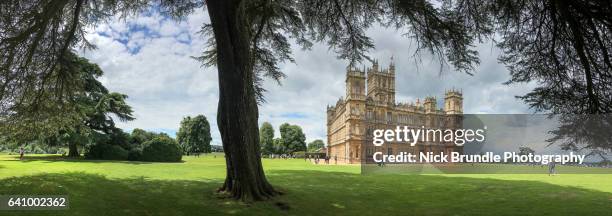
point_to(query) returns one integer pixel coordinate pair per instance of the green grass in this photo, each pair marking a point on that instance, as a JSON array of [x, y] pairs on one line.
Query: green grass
[[131, 188]]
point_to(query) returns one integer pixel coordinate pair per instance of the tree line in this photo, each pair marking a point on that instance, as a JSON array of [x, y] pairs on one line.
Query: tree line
[[88, 123], [292, 140]]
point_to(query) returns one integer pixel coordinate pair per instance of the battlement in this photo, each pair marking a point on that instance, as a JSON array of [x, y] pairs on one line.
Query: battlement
[[430, 99], [354, 72], [453, 101], [453, 93], [376, 70]]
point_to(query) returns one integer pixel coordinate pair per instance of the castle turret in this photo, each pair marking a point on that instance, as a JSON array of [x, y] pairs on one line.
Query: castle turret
[[355, 84], [392, 66], [330, 113], [453, 102], [375, 65], [429, 104], [381, 84]]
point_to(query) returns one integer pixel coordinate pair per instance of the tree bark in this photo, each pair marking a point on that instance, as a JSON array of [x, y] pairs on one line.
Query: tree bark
[[73, 151], [237, 114]]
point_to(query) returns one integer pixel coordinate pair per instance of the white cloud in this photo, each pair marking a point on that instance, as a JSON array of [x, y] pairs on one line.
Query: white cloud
[[148, 58]]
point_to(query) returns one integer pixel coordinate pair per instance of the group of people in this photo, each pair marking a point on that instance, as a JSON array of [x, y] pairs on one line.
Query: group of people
[[280, 156], [311, 158], [317, 159]]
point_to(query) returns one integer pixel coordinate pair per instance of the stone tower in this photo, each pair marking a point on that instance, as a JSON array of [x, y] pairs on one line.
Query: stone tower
[[429, 104], [381, 83], [453, 102], [355, 100], [355, 84]]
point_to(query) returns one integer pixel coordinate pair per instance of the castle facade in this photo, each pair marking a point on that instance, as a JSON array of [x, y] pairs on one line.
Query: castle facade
[[369, 104]]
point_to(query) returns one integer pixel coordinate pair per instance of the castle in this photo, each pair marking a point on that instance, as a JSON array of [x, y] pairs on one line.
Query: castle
[[350, 123]]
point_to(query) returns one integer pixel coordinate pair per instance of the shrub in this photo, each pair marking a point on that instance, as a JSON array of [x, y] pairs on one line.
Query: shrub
[[120, 138], [103, 151], [115, 153], [94, 151], [161, 149], [135, 154], [38, 150], [139, 136], [61, 151]]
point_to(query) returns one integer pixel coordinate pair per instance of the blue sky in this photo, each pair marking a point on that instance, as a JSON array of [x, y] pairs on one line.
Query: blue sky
[[148, 58]]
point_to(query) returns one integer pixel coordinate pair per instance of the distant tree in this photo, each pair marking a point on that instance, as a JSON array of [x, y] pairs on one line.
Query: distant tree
[[279, 147], [99, 119], [194, 135], [162, 135], [97, 104], [525, 151], [92, 109], [217, 148], [266, 138], [140, 136], [315, 145], [293, 138]]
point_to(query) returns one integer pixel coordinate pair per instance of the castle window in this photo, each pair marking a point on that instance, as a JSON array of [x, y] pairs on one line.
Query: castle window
[[355, 110], [356, 88]]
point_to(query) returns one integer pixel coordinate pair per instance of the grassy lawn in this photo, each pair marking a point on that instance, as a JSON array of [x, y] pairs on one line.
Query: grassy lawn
[[131, 188]]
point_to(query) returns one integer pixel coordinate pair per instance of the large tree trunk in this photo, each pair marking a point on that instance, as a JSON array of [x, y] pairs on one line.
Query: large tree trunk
[[73, 151], [237, 110]]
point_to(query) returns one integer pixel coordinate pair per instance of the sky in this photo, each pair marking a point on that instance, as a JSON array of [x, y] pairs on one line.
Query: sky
[[148, 57]]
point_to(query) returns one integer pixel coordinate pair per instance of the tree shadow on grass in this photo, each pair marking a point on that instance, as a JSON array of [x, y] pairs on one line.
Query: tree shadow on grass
[[59, 158], [356, 194], [92, 194], [313, 193]]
